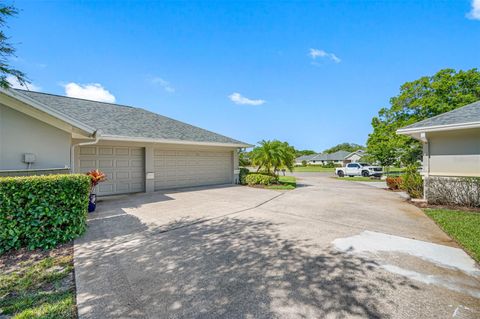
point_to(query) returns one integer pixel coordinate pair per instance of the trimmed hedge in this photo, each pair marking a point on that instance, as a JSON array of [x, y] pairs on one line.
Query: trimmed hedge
[[260, 179], [42, 211]]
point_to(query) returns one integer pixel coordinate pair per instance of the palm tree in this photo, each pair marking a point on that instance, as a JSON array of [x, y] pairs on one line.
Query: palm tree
[[273, 155]]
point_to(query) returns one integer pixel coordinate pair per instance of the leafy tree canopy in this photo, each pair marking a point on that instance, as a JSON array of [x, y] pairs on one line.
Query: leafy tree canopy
[[7, 50], [349, 147], [423, 98]]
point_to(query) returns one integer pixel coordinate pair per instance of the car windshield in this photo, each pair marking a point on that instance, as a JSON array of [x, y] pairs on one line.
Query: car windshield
[[364, 164]]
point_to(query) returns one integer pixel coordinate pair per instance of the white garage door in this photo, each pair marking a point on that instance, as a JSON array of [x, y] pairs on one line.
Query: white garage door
[[124, 166], [174, 168]]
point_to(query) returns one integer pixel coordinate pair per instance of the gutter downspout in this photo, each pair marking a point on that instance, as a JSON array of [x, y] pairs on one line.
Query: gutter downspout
[[424, 139], [97, 135]]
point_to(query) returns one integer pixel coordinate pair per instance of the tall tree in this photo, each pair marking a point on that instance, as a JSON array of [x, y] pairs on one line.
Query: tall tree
[[273, 155], [349, 147], [7, 50], [423, 98]]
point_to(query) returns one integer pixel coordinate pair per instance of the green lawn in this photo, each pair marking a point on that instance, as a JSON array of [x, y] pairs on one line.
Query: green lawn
[[358, 179], [312, 168], [286, 183], [37, 284], [463, 226]]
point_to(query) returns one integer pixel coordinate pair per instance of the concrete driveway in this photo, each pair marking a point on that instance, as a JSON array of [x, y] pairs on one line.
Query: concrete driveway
[[329, 249]]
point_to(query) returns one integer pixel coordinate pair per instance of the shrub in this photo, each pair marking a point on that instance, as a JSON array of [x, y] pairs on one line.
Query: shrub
[[394, 182], [242, 174], [453, 191], [304, 163], [329, 165], [412, 182], [260, 179], [42, 211]]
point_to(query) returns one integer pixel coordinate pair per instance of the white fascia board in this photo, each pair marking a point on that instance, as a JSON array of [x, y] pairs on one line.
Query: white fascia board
[[437, 128], [44, 108], [168, 141]]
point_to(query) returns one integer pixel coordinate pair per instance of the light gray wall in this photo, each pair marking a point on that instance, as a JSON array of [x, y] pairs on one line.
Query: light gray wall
[[20, 133], [454, 153]]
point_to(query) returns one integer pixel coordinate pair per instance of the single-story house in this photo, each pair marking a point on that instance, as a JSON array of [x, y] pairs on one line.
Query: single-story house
[[451, 147], [140, 151], [337, 158], [451, 142]]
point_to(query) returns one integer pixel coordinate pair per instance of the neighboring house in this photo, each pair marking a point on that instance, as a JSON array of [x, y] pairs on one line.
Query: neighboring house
[[354, 157], [451, 149], [140, 151], [337, 158], [301, 159]]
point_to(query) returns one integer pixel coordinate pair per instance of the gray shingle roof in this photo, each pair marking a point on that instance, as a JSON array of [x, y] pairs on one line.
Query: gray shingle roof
[[126, 121], [304, 158], [337, 156], [467, 114]]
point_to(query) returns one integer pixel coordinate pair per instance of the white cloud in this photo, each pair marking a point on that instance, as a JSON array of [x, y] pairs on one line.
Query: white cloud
[[237, 98], [91, 91], [17, 85], [316, 53], [474, 14], [164, 84]]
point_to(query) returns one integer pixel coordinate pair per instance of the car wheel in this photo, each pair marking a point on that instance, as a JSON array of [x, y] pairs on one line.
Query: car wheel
[[365, 174], [341, 174]]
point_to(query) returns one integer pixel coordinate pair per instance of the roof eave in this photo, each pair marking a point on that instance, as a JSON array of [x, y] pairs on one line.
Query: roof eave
[[44, 108], [437, 128], [172, 141]]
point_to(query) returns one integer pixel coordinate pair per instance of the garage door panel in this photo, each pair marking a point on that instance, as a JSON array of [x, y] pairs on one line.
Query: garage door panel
[[88, 163], [122, 175], [104, 163], [122, 163], [122, 151], [136, 152], [124, 167], [180, 168], [105, 151], [105, 188], [88, 151]]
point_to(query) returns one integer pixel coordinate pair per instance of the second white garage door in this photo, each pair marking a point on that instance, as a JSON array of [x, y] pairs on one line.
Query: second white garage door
[[175, 169]]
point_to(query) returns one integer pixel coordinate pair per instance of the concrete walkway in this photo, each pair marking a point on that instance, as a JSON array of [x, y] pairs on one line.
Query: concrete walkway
[[329, 249]]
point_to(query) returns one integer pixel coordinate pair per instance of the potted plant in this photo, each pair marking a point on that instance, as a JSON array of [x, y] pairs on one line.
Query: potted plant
[[96, 177]]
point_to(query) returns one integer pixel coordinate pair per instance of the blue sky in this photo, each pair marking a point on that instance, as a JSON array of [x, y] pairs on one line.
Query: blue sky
[[310, 73]]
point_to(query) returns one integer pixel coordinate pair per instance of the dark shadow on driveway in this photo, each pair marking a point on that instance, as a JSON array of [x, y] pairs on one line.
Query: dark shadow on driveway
[[224, 268]]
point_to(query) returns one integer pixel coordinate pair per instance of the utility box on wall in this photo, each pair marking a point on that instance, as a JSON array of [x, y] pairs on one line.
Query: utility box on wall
[[29, 158]]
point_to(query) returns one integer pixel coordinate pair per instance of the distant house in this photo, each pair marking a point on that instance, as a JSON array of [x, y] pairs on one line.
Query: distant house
[[451, 152], [337, 158]]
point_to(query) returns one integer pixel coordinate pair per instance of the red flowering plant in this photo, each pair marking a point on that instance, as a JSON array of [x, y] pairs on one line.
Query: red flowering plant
[[97, 177]]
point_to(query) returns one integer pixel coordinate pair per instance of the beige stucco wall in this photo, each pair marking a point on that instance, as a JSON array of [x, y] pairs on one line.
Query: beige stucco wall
[[20, 133], [453, 153]]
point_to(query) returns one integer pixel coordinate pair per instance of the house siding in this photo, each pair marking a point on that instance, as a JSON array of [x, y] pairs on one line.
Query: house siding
[[20, 134], [453, 153]]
